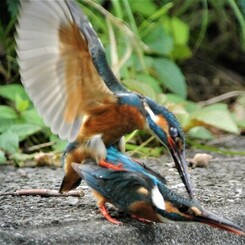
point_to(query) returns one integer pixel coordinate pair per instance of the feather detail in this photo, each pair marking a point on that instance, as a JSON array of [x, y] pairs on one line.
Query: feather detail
[[56, 66]]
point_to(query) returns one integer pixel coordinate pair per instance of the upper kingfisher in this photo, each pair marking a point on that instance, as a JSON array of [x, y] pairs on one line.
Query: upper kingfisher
[[64, 70], [143, 193]]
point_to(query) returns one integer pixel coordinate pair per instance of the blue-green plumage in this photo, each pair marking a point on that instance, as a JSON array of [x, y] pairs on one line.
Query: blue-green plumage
[[140, 191], [118, 158], [132, 99], [108, 182], [126, 97], [120, 187]]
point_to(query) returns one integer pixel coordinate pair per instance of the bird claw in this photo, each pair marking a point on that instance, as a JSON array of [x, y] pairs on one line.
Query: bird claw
[[105, 164], [145, 221], [105, 213]]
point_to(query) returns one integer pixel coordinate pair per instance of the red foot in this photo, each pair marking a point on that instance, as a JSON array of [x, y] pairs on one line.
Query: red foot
[[146, 221], [105, 213], [105, 164]]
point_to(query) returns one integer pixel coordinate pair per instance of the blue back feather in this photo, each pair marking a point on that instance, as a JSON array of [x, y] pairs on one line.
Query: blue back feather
[[114, 183], [116, 157]]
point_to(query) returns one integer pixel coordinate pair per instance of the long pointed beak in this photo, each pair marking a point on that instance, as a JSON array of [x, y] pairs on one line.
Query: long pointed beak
[[218, 222], [181, 166]]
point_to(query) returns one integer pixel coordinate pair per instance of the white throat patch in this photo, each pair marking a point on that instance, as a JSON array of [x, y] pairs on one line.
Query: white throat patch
[[151, 113], [157, 198]]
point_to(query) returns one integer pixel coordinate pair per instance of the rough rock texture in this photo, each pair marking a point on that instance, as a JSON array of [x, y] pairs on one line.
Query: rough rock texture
[[36, 220]]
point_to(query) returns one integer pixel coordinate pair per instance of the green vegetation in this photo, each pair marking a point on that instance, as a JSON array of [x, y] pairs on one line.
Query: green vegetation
[[146, 42]]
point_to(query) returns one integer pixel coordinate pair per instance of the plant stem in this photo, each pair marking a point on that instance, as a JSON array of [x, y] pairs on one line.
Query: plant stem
[[240, 19], [215, 149], [203, 27], [43, 193]]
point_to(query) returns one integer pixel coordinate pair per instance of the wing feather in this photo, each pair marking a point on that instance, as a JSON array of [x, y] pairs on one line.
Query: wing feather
[[56, 66]]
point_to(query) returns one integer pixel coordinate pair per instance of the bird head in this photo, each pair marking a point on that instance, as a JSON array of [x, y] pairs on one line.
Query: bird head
[[164, 125], [177, 208], [137, 193]]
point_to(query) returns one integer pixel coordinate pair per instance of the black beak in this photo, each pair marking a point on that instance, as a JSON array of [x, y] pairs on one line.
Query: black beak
[[218, 222], [181, 165]]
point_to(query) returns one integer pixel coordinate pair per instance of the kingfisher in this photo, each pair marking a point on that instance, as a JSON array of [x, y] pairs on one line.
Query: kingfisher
[[143, 193], [64, 70]]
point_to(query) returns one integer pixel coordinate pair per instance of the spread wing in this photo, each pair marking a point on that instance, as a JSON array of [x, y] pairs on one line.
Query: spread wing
[[57, 66], [96, 49]]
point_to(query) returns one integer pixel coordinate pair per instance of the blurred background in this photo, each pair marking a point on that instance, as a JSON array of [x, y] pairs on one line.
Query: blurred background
[[188, 55]]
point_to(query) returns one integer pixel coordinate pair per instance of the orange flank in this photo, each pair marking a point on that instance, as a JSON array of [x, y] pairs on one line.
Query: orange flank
[[112, 121], [143, 210]]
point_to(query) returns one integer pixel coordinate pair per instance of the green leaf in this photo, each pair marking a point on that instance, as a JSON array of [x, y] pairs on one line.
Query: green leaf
[[175, 98], [242, 6], [146, 9], [134, 62], [189, 105], [13, 7], [179, 30], [159, 41], [200, 133], [59, 145], [31, 116], [216, 115], [144, 78], [23, 160], [171, 76], [21, 104], [2, 157], [23, 130], [5, 123], [9, 142], [240, 124], [12, 90], [7, 112], [145, 151], [181, 52], [141, 87]]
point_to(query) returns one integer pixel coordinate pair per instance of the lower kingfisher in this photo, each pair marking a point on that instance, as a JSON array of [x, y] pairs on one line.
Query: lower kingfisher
[[143, 193], [64, 70]]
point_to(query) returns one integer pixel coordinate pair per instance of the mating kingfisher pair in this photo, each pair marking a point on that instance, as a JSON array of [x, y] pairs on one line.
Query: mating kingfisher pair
[[65, 72]]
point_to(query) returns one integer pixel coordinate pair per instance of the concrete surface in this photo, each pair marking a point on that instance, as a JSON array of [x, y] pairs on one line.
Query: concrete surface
[[37, 220]]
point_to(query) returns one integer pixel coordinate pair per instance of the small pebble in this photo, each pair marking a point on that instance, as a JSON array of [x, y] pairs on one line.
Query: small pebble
[[201, 160], [72, 200]]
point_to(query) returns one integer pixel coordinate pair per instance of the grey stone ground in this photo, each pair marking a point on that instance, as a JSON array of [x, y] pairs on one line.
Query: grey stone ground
[[36, 220]]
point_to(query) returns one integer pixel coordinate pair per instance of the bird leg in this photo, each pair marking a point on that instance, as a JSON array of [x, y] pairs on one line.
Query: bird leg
[[105, 164], [105, 213], [101, 201]]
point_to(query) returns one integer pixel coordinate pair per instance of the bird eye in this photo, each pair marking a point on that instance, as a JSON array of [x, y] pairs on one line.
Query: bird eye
[[183, 209], [173, 132]]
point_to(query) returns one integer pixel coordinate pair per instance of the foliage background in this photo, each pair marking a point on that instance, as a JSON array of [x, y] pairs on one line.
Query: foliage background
[[183, 54]]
